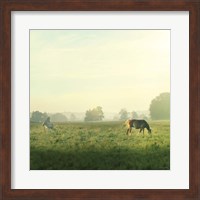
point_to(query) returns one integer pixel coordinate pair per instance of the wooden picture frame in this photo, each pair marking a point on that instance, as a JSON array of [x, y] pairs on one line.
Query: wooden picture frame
[[192, 6]]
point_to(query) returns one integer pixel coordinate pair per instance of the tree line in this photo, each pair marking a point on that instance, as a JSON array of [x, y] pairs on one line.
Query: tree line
[[159, 109], [37, 116]]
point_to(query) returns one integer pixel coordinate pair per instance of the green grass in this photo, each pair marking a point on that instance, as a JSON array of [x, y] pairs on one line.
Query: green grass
[[99, 146]]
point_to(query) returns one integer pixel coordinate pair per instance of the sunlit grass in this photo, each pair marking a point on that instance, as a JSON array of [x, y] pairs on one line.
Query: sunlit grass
[[100, 145]]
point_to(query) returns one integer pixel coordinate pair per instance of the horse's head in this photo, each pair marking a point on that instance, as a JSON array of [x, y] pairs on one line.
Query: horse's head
[[149, 131]]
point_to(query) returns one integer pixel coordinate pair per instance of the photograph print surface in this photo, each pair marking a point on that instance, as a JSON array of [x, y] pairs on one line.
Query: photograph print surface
[[99, 99]]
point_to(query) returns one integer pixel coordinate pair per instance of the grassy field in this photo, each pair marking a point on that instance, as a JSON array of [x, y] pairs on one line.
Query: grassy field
[[99, 146]]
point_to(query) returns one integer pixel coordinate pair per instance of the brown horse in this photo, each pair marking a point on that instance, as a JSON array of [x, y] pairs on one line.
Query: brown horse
[[137, 124]]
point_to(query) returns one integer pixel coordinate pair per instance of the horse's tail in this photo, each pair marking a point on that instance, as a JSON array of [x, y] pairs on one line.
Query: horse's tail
[[126, 123]]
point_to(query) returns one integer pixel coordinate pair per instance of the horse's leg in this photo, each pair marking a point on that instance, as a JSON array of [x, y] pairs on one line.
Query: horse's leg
[[127, 131], [130, 130]]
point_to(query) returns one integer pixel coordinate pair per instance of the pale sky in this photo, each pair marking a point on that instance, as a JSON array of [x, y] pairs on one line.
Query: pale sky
[[75, 70]]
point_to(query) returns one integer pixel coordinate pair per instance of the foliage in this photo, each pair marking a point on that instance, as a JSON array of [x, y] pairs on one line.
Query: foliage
[[72, 117], [142, 116], [116, 118], [160, 107], [38, 116], [123, 114], [99, 146], [96, 114], [58, 117], [134, 115]]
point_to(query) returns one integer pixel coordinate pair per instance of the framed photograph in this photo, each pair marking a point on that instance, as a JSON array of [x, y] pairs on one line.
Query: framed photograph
[[100, 99]]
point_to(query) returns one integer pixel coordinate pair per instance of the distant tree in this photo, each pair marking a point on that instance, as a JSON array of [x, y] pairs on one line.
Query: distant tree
[[134, 115], [38, 116], [72, 117], [58, 117], [160, 107], [116, 118], [123, 114], [142, 116], [95, 114]]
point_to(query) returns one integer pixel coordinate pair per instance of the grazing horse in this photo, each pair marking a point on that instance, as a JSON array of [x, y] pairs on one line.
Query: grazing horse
[[47, 124], [137, 124]]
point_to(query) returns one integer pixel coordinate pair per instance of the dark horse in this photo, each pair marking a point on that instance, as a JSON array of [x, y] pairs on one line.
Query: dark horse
[[137, 124]]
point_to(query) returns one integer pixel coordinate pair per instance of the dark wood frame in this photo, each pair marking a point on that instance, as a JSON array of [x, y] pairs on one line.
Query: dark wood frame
[[6, 6]]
